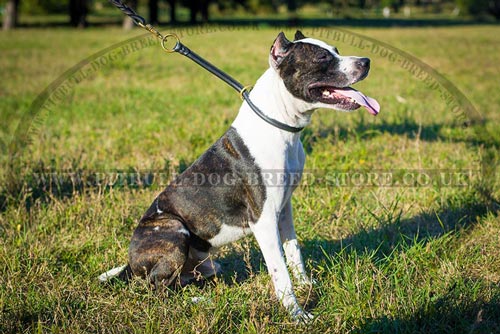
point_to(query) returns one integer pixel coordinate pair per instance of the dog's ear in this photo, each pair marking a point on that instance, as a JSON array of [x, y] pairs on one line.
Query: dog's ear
[[299, 35], [279, 50]]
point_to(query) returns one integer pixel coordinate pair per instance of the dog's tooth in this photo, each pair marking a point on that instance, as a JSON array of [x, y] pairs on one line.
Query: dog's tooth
[[326, 92]]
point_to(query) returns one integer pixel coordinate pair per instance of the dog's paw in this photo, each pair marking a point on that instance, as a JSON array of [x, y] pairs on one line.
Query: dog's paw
[[201, 272], [301, 316], [312, 282], [208, 269], [304, 281]]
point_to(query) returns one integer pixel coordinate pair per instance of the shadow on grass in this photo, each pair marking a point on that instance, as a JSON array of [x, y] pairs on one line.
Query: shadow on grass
[[462, 307], [457, 311], [44, 183], [478, 134], [393, 235]]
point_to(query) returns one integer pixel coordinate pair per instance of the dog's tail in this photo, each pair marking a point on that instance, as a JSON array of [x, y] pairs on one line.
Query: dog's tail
[[123, 273]]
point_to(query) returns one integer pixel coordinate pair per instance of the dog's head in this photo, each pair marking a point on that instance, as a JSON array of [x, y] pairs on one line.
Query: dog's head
[[316, 73]]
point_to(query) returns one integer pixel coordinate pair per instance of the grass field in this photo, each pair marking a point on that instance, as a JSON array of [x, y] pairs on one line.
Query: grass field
[[398, 259]]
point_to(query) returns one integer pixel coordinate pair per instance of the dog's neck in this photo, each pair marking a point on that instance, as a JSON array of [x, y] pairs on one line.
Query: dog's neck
[[273, 99]]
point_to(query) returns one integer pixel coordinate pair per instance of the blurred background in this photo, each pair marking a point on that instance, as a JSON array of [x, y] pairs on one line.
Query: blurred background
[[82, 13]]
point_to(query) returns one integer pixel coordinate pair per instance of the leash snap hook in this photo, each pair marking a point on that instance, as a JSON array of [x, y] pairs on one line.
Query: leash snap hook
[[165, 39]]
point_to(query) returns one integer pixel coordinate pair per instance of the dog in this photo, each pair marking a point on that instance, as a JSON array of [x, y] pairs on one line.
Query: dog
[[192, 216]]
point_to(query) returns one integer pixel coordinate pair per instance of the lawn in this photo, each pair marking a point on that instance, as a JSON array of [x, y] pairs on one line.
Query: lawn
[[420, 254]]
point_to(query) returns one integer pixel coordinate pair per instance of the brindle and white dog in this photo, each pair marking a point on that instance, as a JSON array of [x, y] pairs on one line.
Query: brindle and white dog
[[190, 218]]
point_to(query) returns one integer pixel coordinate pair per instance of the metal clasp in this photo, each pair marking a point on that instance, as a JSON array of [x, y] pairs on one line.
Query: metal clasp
[[164, 40]]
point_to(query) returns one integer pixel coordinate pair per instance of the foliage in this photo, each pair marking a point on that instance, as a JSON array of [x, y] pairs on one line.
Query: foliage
[[473, 7], [481, 7], [44, 6]]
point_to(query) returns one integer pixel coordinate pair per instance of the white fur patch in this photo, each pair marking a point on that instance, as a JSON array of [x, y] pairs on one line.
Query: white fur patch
[[318, 43], [111, 273], [183, 231], [278, 151], [228, 234], [158, 211]]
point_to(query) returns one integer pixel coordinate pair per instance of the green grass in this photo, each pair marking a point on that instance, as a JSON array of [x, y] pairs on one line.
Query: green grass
[[386, 259]]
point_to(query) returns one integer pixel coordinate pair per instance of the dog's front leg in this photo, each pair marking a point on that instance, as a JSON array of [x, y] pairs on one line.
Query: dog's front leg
[[267, 235], [291, 245]]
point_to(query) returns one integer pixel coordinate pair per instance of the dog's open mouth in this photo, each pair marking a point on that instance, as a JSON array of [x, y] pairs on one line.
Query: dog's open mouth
[[347, 98]]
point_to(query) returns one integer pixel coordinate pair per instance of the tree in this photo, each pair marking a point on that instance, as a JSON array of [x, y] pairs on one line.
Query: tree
[[153, 11], [78, 10], [291, 5], [481, 7], [494, 9], [197, 6], [172, 4], [127, 21], [10, 15]]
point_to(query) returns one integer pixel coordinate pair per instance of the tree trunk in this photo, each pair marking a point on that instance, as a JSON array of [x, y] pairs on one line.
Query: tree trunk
[[173, 18], [10, 15], [78, 13], [153, 12], [128, 24], [494, 9], [194, 6], [198, 6], [204, 11], [291, 6]]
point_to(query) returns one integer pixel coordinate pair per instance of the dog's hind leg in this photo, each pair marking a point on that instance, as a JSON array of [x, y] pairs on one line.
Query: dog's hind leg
[[198, 265], [158, 250]]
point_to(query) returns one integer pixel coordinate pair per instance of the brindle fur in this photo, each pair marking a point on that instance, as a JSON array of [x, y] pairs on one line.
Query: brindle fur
[[192, 202]]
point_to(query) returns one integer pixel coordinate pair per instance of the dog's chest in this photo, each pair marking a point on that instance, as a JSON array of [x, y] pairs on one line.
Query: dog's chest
[[281, 162], [294, 166], [280, 176]]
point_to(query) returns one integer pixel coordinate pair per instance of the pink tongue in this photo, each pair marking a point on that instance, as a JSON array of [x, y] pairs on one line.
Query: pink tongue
[[369, 103]]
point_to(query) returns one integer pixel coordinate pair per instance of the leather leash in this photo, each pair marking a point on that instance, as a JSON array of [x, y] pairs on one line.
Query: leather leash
[[185, 51]]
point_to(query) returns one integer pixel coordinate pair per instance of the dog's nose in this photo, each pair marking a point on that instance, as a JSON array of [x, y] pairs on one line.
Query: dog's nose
[[363, 63]]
